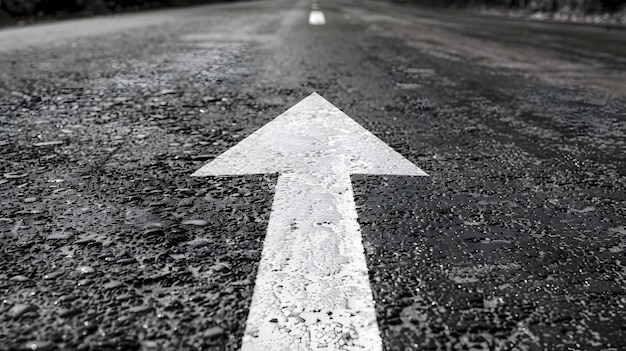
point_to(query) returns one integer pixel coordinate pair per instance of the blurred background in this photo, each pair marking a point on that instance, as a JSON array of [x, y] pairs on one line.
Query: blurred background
[[14, 12], [25, 11]]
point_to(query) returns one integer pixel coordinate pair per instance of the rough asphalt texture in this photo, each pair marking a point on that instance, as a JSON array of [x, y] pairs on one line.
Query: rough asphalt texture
[[515, 242]]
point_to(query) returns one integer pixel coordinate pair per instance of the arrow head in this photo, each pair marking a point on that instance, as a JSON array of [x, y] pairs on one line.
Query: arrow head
[[312, 136]]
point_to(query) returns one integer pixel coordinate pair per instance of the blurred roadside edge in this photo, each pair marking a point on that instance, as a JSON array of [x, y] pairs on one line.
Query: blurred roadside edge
[[24, 12], [599, 12]]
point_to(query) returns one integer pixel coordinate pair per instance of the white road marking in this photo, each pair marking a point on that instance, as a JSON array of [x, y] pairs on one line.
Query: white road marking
[[316, 18], [312, 289]]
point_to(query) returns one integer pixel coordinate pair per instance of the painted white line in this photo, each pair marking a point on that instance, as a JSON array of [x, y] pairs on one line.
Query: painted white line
[[312, 289], [316, 18]]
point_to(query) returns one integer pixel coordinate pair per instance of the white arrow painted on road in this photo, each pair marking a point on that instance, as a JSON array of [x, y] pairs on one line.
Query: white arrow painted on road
[[312, 289]]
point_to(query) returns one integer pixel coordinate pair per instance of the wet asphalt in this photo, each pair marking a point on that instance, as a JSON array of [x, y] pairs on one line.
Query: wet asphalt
[[514, 242]]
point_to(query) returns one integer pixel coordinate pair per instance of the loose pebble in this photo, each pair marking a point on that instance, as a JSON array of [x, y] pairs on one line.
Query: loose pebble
[[48, 143], [67, 298], [167, 92], [20, 308], [152, 225], [52, 275], [58, 236], [38, 345], [87, 329], [123, 297], [213, 332], [85, 282], [84, 241], [178, 256], [202, 157], [221, 267], [197, 222], [113, 284], [141, 309], [408, 86], [15, 175], [19, 278], [153, 231], [69, 312], [86, 269], [124, 261], [211, 99], [198, 243]]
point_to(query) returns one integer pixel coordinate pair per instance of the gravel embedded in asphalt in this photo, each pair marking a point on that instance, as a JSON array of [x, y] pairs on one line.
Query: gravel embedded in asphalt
[[515, 240]]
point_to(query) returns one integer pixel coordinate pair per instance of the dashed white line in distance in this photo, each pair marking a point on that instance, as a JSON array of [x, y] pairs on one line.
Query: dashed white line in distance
[[312, 289], [317, 18]]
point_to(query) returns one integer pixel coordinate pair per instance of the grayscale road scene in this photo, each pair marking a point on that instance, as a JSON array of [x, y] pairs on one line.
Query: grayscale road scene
[[312, 175]]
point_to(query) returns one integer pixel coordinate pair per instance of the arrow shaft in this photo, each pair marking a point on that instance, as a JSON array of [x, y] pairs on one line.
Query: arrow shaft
[[312, 288]]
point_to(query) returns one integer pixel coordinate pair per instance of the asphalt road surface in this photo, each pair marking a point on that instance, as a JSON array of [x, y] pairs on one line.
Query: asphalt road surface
[[515, 240]]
